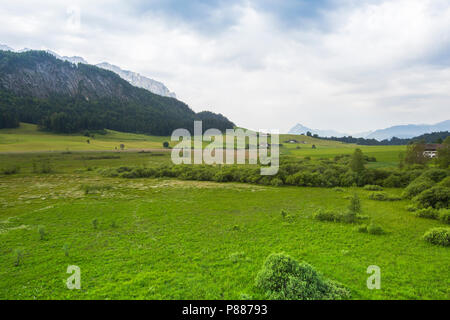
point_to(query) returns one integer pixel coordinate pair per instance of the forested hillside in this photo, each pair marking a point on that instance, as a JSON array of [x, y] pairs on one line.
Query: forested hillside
[[62, 97]]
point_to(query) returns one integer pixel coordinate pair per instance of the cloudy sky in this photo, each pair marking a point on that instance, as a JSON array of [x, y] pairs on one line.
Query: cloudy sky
[[348, 65]]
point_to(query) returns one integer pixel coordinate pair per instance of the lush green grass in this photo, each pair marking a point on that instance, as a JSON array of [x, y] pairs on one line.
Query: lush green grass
[[170, 239], [178, 239], [28, 138]]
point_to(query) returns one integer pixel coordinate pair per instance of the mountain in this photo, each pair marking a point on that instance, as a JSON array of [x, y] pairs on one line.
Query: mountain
[[134, 78], [403, 131], [300, 129], [138, 80], [5, 48], [409, 130], [36, 87]]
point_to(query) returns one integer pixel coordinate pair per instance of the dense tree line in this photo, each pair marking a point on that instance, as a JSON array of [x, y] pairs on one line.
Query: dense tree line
[[8, 118], [435, 137]]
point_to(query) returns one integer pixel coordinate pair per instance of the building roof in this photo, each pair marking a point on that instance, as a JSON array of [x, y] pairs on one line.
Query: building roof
[[432, 146]]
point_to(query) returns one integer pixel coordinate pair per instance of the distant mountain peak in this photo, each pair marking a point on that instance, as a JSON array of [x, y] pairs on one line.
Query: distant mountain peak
[[400, 131], [138, 80]]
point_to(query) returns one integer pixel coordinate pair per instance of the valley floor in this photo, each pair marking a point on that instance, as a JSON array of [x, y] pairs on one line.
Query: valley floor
[[169, 239]]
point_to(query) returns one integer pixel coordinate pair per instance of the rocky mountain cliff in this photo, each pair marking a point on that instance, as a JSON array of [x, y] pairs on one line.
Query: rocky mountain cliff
[[138, 80], [133, 78]]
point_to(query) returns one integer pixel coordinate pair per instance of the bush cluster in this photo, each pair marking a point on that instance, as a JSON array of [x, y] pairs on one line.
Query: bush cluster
[[284, 278], [383, 196], [438, 236]]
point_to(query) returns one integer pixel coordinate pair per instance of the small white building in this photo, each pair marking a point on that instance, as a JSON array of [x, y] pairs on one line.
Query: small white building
[[431, 150]]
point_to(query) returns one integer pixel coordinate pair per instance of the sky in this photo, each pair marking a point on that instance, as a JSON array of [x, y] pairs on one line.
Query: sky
[[348, 65]]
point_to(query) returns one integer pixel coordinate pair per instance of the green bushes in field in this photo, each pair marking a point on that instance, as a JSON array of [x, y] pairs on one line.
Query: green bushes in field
[[444, 215], [436, 197], [284, 278], [411, 208], [383, 196], [355, 204], [434, 174], [44, 167], [90, 189], [417, 186], [445, 182], [429, 213], [373, 187], [10, 170], [296, 172], [371, 229], [375, 229], [438, 236], [323, 215], [345, 217]]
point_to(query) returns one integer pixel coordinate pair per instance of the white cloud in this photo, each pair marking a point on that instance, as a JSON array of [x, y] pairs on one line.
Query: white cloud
[[374, 65]]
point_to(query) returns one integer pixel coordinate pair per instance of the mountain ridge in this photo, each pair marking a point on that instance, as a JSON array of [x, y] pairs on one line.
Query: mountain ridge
[[406, 131], [133, 78]]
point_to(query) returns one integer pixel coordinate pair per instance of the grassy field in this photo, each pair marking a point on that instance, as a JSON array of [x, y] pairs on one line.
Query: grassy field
[[173, 239], [28, 138]]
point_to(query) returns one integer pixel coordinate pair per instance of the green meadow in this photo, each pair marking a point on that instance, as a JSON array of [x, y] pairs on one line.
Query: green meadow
[[165, 238]]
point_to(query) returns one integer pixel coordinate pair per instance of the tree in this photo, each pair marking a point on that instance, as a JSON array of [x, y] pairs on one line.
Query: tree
[[443, 154], [165, 144], [308, 134], [355, 204], [415, 153], [357, 161]]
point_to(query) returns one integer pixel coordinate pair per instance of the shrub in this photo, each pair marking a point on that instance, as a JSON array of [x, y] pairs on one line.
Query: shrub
[[66, 249], [382, 196], [323, 215], [90, 189], [444, 215], [238, 256], [348, 217], [435, 174], [411, 208], [375, 229], [429, 213], [19, 257], [445, 182], [373, 187], [42, 232], [362, 228], [10, 170], [438, 236], [283, 278], [45, 167], [355, 204], [417, 186], [436, 197]]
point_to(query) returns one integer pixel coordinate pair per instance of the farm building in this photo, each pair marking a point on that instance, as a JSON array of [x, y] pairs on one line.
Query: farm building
[[431, 150]]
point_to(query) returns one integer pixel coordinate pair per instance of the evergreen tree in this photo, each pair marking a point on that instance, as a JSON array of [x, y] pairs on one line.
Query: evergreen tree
[[357, 161]]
